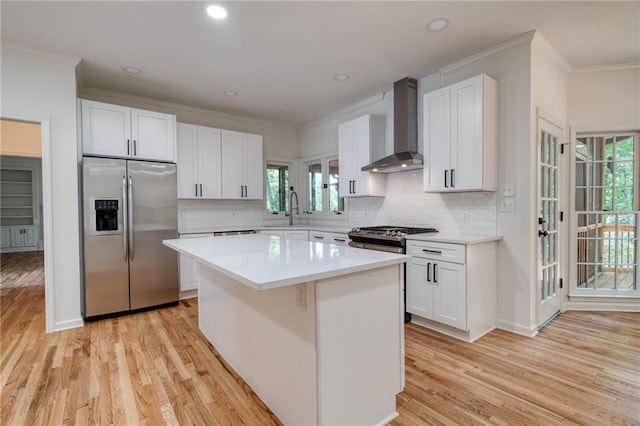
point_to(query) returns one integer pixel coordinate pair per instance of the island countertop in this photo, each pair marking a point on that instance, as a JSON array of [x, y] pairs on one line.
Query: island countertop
[[264, 262]]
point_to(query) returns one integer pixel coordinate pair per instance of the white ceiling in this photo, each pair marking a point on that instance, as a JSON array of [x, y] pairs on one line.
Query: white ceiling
[[284, 55]]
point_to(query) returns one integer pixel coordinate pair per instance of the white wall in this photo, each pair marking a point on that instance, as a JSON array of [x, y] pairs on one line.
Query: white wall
[[605, 99], [279, 143], [39, 86]]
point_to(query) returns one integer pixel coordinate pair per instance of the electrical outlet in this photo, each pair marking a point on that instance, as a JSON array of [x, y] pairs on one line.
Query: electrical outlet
[[301, 296], [508, 189], [508, 205]]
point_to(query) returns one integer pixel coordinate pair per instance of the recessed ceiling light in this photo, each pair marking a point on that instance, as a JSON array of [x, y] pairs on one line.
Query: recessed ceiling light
[[438, 25], [286, 111], [132, 70], [230, 93], [216, 12], [341, 77]]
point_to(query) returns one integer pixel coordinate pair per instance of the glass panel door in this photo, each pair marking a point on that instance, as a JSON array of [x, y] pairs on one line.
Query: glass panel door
[[606, 213]]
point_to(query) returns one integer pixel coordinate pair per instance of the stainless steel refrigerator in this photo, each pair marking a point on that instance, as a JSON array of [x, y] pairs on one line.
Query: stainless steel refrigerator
[[129, 208]]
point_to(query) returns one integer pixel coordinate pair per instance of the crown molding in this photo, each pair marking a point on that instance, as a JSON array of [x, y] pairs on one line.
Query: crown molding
[[524, 39], [605, 68], [90, 92], [69, 59]]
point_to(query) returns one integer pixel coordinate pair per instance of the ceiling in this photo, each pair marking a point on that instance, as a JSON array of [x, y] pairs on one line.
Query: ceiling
[[284, 55]]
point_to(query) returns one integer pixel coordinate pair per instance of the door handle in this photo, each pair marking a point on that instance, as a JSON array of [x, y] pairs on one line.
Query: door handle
[[196, 189], [453, 181], [131, 242], [241, 191], [125, 206], [435, 276], [246, 191], [429, 272], [543, 233], [201, 190], [446, 177], [128, 146], [135, 148]]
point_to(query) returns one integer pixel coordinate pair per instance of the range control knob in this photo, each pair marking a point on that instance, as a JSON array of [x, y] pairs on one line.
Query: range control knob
[[355, 230]]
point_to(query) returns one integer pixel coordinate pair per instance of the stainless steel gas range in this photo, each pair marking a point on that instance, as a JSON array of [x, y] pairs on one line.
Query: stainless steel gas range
[[387, 238], [384, 238]]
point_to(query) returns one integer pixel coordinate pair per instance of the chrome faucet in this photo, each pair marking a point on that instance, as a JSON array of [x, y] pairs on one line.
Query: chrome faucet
[[291, 206]]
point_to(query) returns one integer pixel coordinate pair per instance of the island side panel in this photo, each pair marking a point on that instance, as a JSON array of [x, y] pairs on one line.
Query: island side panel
[[360, 346], [267, 339]]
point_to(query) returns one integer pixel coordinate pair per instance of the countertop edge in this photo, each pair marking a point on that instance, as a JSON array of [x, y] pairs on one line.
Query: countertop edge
[[467, 239], [294, 280]]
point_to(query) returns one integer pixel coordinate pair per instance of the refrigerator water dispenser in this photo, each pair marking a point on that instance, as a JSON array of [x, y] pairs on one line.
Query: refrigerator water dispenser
[[106, 213]]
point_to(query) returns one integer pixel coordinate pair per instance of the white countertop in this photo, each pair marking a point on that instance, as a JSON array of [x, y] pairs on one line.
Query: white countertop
[[264, 262], [454, 238]]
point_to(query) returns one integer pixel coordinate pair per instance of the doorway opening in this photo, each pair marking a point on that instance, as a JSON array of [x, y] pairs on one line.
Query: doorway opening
[[25, 209]]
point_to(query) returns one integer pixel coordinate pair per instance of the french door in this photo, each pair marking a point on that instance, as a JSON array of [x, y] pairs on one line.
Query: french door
[[549, 295], [606, 212]]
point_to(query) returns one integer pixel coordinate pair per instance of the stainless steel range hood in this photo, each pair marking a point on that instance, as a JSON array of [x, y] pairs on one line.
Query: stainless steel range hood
[[405, 131]]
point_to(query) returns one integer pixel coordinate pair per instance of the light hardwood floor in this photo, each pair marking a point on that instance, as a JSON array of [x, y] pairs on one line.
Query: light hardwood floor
[[156, 367]]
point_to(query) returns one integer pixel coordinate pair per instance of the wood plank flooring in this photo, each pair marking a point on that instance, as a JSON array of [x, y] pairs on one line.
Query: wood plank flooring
[[21, 269], [157, 368]]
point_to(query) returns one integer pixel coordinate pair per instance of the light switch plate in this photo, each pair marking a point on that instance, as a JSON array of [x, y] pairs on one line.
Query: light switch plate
[[508, 189]]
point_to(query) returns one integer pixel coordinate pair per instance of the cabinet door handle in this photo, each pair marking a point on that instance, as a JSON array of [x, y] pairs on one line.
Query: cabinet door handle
[[446, 177], [453, 180], [128, 146], [196, 189], [135, 149], [429, 272], [435, 275], [432, 251], [201, 190], [246, 191], [241, 191]]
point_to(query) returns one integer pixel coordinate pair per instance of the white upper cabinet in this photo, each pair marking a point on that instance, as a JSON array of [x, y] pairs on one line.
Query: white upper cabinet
[[460, 136], [242, 166], [360, 141], [199, 162], [118, 131]]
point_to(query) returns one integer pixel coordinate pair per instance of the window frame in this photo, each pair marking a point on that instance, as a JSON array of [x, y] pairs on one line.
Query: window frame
[[292, 166], [324, 214]]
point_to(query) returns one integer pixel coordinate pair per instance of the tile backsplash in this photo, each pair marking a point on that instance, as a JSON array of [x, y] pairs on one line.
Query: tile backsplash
[[405, 204]]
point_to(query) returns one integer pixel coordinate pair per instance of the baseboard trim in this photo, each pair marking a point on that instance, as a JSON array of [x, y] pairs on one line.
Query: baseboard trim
[[602, 306], [516, 328], [388, 419], [66, 325], [189, 294]]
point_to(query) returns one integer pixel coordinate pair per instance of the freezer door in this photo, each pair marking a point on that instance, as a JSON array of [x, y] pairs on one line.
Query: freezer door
[[154, 211], [106, 267]]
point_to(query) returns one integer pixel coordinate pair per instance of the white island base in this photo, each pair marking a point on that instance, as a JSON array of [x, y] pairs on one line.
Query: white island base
[[339, 361]]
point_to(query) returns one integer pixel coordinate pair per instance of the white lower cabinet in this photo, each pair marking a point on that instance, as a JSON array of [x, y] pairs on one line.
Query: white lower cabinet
[[19, 238], [296, 234], [451, 288], [329, 238], [189, 270]]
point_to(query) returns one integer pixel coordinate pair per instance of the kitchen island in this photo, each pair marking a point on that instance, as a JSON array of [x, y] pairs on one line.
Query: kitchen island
[[315, 329]]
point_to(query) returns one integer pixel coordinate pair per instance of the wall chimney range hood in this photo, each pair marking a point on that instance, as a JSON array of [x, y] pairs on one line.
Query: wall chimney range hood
[[405, 131]]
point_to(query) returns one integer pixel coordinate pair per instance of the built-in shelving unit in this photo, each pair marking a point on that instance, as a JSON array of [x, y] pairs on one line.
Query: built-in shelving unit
[[16, 197]]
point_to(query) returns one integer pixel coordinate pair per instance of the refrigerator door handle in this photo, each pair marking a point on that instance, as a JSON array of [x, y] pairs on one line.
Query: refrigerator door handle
[[126, 223], [130, 205]]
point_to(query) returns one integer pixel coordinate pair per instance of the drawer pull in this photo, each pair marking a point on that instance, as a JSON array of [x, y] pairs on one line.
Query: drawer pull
[[340, 240], [318, 237], [432, 251]]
